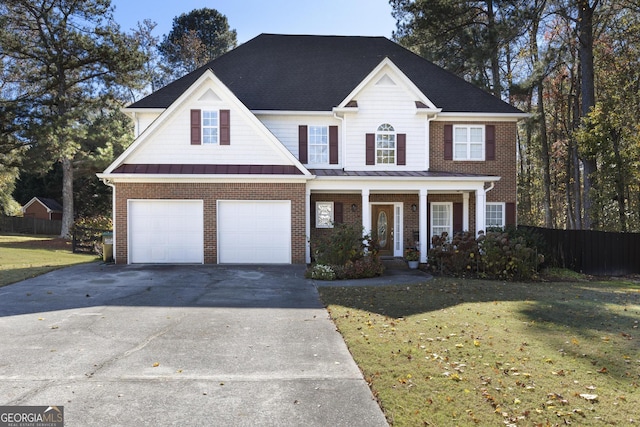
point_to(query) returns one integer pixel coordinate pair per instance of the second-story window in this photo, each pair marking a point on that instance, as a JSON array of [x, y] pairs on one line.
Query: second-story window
[[318, 144], [385, 145], [210, 126], [468, 143]]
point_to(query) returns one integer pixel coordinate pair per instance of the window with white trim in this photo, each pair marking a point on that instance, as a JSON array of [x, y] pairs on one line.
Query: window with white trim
[[495, 215], [210, 126], [324, 215], [441, 218], [318, 142], [468, 142], [385, 145]]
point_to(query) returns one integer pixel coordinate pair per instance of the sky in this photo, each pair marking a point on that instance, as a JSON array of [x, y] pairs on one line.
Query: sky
[[251, 17]]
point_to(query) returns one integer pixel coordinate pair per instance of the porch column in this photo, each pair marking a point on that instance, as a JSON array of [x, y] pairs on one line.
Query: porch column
[[423, 226], [366, 211], [465, 211], [307, 226], [481, 200]]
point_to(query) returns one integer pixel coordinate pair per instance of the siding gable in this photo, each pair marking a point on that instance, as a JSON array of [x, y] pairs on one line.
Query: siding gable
[[175, 137], [387, 96]]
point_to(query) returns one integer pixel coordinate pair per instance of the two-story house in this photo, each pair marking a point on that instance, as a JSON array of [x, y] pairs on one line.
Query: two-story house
[[251, 157]]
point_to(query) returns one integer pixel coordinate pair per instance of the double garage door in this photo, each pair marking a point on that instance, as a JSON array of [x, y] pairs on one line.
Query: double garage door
[[172, 231]]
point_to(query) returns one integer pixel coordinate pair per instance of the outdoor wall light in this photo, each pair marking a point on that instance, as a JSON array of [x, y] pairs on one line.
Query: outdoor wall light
[[414, 208], [354, 207]]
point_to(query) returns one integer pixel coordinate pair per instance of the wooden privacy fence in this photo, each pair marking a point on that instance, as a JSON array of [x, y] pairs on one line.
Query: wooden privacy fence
[[29, 225], [591, 252]]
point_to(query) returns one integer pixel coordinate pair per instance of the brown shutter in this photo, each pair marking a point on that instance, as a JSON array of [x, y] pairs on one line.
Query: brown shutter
[[338, 216], [371, 149], [448, 142], [333, 145], [457, 218], [510, 213], [196, 132], [490, 142], [225, 127], [302, 144], [402, 149]]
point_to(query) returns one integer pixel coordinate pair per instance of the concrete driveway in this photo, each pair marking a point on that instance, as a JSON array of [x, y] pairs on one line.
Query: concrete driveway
[[179, 345]]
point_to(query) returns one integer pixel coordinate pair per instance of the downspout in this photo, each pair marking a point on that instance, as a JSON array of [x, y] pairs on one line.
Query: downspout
[[113, 213], [343, 132], [427, 133], [493, 184]]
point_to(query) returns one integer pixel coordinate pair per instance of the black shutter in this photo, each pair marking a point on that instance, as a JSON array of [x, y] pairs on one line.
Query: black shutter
[[457, 218], [333, 145], [302, 144], [510, 213], [338, 216], [448, 142], [490, 142], [371, 148], [402, 149]]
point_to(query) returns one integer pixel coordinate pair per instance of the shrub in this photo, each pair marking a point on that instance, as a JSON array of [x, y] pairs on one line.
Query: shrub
[[369, 266], [507, 255], [321, 272], [347, 253]]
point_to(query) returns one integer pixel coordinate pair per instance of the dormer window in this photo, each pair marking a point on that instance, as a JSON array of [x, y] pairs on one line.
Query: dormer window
[[385, 145]]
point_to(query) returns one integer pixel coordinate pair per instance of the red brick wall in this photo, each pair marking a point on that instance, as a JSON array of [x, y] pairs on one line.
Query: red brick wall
[[36, 210], [504, 165], [210, 193]]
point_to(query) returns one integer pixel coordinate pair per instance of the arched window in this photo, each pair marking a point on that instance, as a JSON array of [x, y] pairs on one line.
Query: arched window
[[385, 145]]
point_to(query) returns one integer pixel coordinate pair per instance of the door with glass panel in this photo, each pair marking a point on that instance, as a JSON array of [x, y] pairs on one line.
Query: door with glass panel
[[382, 222]]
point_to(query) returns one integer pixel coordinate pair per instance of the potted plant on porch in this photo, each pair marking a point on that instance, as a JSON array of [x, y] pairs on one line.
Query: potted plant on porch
[[412, 256]]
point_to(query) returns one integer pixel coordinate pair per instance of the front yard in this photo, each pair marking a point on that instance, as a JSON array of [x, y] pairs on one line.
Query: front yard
[[23, 256], [472, 352]]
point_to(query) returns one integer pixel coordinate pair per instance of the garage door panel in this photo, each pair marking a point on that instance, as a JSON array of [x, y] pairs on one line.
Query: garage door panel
[[254, 231], [166, 231]]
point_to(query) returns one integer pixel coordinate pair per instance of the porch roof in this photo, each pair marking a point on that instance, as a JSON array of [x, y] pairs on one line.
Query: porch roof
[[398, 174]]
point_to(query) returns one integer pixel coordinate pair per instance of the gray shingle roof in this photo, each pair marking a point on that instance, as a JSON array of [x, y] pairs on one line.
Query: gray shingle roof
[[51, 204], [316, 73]]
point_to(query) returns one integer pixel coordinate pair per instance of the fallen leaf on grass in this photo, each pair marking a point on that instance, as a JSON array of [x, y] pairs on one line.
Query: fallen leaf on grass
[[589, 397]]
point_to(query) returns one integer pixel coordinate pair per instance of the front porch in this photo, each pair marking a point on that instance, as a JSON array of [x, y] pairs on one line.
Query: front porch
[[400, 213]]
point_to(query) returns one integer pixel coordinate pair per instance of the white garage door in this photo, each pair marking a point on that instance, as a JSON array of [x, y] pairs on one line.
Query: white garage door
[[166, 231], [254, 232]]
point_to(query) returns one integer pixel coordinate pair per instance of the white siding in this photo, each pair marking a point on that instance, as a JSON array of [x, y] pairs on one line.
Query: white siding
[[285, 128], [378, 104], [142, 121], [170, 142]]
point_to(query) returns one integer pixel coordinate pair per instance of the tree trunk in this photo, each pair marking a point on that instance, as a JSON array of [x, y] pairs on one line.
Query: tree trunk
[[493, 45], [587, 92], [67, 197], [544, 155]]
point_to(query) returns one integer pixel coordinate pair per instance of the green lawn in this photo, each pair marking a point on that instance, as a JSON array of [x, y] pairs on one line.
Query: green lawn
[[456, 352], [22, 256]]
